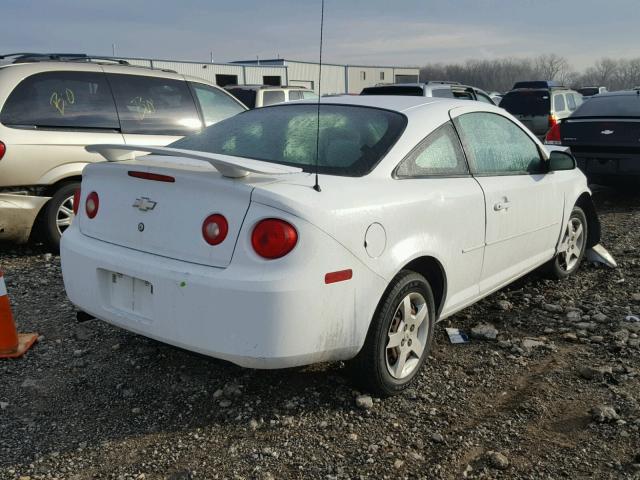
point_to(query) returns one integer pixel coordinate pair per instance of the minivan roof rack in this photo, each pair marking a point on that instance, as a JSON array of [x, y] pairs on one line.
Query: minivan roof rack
[[26, 57]]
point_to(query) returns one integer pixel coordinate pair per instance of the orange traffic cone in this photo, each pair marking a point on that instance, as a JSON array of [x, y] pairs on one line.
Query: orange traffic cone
[[12, 343]]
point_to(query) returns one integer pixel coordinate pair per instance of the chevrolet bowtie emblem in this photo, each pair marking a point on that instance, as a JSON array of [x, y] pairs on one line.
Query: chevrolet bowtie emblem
[[144, 204], [606, 132]]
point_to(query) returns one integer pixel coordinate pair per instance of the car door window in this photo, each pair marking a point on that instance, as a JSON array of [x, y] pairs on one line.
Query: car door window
[[496, 146], [215, 104], [153, 105], [307, 95], [558, 103], [271, 97], [571, 101], [439, 154], [62, 100]]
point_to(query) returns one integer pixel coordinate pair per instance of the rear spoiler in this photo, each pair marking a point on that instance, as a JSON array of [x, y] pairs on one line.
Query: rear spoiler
[[227, 165]]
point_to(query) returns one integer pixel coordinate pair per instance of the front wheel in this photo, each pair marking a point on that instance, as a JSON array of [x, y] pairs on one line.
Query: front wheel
[[399, 338], [573, 246], [58, 215]]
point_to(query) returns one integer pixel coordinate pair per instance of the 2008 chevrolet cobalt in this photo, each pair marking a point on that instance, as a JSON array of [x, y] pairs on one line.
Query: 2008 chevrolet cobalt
[[220, 243]]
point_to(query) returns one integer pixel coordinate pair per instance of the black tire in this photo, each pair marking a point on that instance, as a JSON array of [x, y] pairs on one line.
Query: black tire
[[558, 266], [49, 230], [370, 367]]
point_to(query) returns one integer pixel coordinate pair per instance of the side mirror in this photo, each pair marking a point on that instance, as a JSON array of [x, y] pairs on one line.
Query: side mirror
[[560, 160]]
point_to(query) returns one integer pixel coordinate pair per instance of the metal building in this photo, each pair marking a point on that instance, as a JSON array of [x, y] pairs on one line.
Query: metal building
[[335, 78]]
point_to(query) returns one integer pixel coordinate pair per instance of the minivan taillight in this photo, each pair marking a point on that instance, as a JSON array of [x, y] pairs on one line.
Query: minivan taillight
[[273, 238], [92, 204], [76, 201], [3, 149], [553, 135], [552, 120]]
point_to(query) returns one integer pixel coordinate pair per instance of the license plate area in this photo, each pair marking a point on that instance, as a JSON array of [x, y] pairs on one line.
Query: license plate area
[[129, 294]]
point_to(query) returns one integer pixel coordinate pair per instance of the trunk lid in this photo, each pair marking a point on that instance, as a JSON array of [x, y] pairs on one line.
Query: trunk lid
[[165, 218], [601, 132]]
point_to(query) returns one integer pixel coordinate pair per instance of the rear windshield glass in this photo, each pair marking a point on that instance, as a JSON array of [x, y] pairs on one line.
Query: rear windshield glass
[[248, 97], [534, 102], [413, 90], [352, 139], [610, 106]]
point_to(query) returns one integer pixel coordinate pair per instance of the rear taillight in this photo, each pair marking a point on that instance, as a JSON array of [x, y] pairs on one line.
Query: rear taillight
[[214, 229], [273, 238], [552, 120], [76, 201], [92, 204], [553, 135], [3, 149]]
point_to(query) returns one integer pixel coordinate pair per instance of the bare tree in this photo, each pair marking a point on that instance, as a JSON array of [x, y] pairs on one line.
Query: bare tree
[[501, 74], [552, 67]]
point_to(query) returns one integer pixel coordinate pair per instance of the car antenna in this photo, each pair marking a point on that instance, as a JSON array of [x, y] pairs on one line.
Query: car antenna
[[316, 187]]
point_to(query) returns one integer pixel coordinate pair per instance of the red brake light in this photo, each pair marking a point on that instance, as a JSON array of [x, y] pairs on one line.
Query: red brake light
[[76, 201], [152, 176], [214, 229], [273, 238], [552, 120], [3, 149], [553, 135], [92, 204]]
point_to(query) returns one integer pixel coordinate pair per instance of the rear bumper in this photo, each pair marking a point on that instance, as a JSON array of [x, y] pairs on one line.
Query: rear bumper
[[609, 166], [17, 216], [253, 318]]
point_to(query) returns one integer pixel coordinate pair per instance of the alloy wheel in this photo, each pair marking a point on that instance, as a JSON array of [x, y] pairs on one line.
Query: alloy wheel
[[572, 245], [64, 215], [407, 336]]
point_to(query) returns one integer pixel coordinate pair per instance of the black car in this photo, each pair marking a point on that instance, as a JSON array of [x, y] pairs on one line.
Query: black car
[[604, 136]]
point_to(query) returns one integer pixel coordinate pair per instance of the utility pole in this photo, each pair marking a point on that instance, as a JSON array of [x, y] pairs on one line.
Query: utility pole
[[211, 55], [113, 49]]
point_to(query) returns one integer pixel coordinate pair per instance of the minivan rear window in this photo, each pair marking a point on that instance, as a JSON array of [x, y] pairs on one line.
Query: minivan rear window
[[531, 102], [75, 100], [352, 139], [610, 106]]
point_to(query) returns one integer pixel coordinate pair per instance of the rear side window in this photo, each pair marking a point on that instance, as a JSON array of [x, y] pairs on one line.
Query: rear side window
[[215, 104], [571, 101], [271, 97], [307, 95], [531, 102], [497, 146], [156, 106], [442, 93], [440, 154], [558, 103], [295, 95], [62, 100], [481, 97]]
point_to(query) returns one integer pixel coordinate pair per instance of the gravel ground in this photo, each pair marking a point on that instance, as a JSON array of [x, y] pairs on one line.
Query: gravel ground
[[554, 396]]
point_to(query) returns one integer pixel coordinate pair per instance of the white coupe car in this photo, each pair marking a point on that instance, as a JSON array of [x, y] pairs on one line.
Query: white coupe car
[[220, 243]]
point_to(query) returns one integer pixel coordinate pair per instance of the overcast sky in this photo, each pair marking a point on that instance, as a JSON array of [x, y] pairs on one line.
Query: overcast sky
[[396, 32]]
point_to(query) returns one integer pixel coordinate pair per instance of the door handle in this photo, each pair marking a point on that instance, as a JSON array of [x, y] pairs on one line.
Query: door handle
[[503, 205]]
